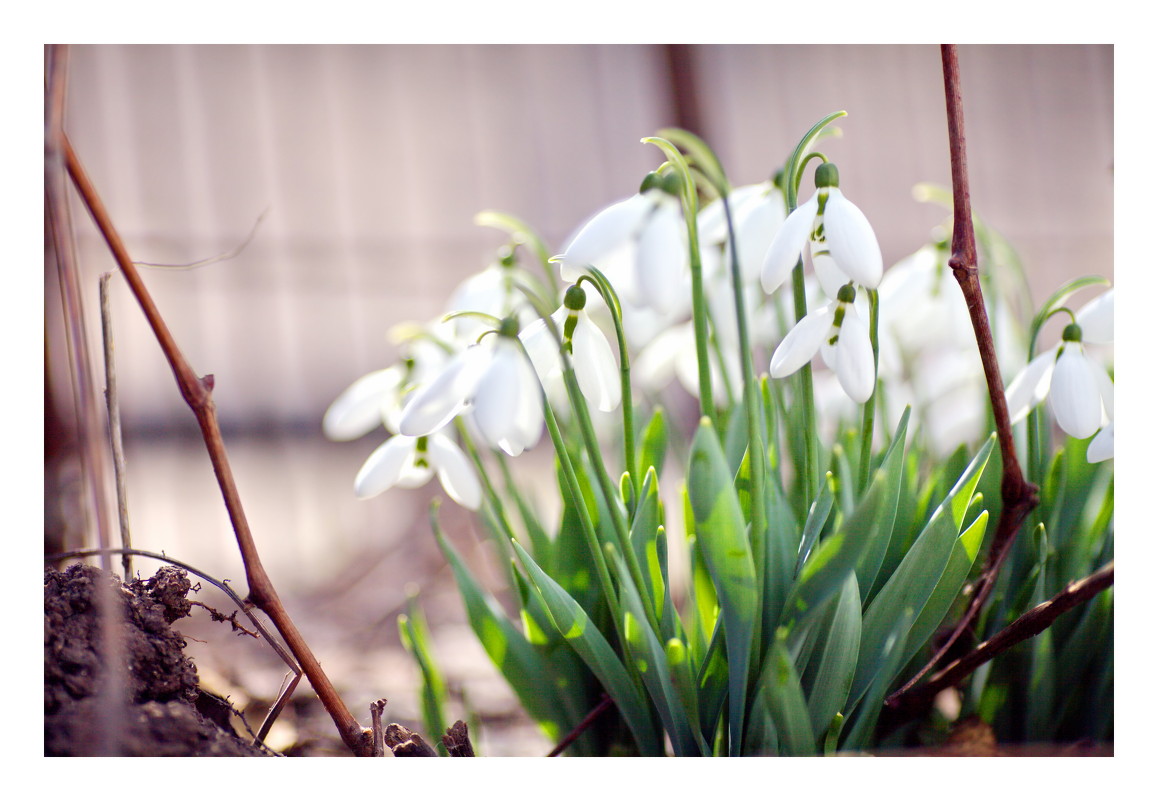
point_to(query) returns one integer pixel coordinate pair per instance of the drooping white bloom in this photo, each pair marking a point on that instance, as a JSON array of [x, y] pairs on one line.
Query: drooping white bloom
[[836, 227], [495, 382], [1102, 446], [640, 245], [591, 354], [841, 337], [376, 398], [492, 291], [757, 213], [409, 462], [1080, 391]]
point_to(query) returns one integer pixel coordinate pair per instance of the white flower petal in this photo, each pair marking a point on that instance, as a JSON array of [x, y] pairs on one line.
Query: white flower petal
[[661, 259], [802, 342], [604, 232], [1097, 319], [1073, 393], [1105, 389], [508, 402], [830, 276], [595, 365], [433, 406], [455, 472], [788, 245], [391, 464], [1102, 446], [358, 410], [757, 223], [1030, 386], [854, 358], [851, 241]]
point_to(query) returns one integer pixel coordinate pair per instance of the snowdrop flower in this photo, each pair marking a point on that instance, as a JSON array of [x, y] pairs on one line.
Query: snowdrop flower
[[639, 244], [841, 337], [836, 227], [493, 291], [494, 381], [1080, 391], [409, 462], [1102, 446], [376, 398], [757, 213], [591, 355]]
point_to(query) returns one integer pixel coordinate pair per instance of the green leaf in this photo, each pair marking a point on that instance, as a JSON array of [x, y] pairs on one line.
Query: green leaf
[[592, 647], [826, 570], [415, 636], [652, 665], [828, 692], [653, 447], [893, 468], [948, 586], [722, 536], [523, 668], [912, 584], [817, 517], [891, 661], [644, 530], [779, 688]]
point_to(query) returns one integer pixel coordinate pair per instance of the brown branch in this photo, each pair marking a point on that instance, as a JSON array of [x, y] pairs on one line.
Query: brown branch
[[405, 743], [197, 394], [1018, 496], [1030, 624], [604, 704]]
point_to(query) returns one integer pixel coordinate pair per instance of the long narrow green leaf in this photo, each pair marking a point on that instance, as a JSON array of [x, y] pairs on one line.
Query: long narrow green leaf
[[653, 447], [721, 534], [817, 517], [415, 636], [651, 663], [779, 687], [912, 584], [826, 570], [591, 646], [948, 586], [828, 693], [526, 672], [891, 661]]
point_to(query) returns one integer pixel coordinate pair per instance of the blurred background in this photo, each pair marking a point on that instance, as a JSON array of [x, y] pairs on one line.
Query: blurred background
[[366, 166]]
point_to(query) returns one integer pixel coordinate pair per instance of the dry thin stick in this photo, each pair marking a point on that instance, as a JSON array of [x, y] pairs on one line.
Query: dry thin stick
[[112, 401], [405, 743], [111, 696], [604, 704], [376, 733], [226, 256], [1030, 624], [457, 740], [1018, 496], [197, 393]]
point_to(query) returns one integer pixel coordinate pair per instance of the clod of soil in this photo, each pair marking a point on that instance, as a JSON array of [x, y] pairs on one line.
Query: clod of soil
[[152, 708]]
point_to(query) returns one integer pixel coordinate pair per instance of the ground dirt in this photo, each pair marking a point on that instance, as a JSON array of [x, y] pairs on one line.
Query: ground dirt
[[156, 708]]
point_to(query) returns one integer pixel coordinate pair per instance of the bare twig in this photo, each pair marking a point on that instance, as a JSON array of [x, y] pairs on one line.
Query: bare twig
[[197, 392], [1018, 496], [457, 740], [1028, 625], [376, 733], [604, 704], [112, 402], [110, 714], [226, 256], [405, 743]]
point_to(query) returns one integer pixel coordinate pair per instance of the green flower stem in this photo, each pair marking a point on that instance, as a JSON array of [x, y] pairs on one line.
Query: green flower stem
[[610, 492], [611, 300], [585, 522], [866, 441], [757, 454], [699, 302], [521, 233], [591, 442], [494, 500], [793, 175]]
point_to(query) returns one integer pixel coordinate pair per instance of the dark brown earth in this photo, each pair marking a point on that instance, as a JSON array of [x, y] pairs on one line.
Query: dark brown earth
[[157, 707]]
